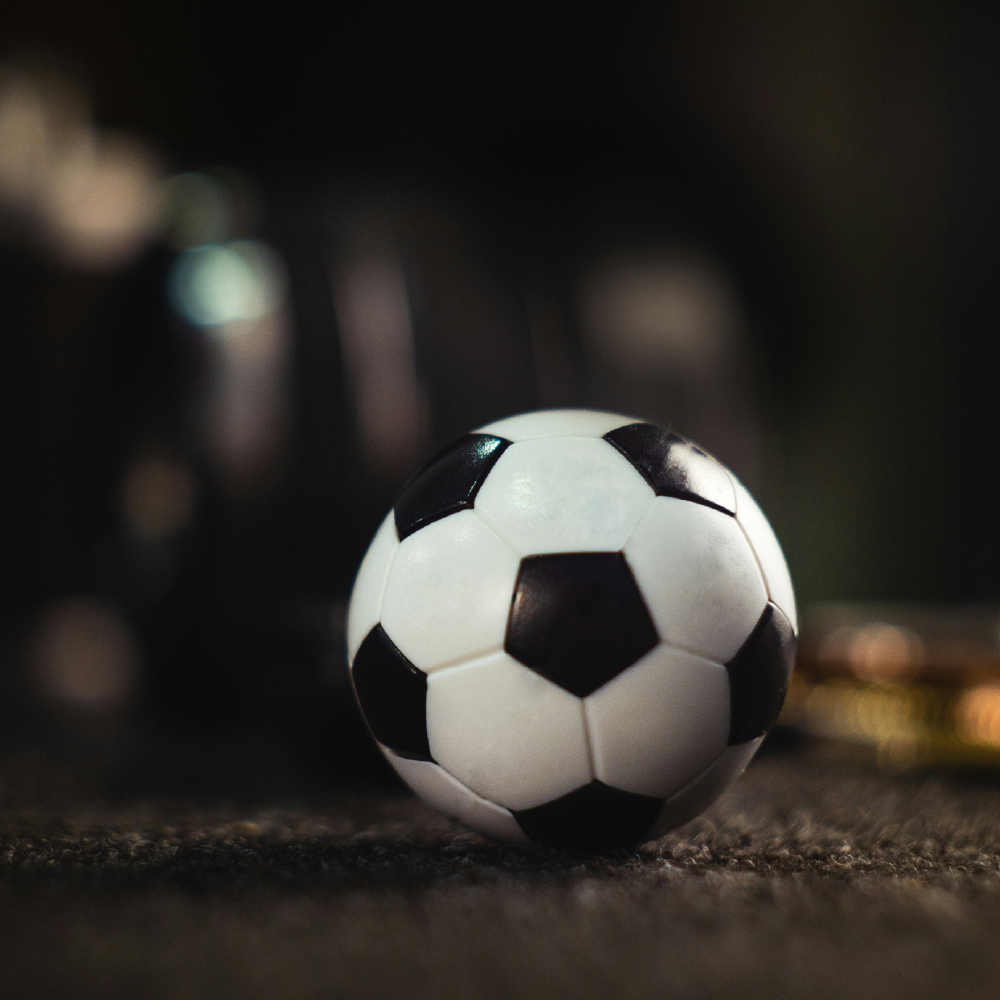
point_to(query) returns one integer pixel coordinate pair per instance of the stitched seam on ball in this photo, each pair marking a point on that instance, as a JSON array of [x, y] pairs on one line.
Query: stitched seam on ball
[[481, 798], [756, 558], [472, 661], [635, 526], [381, 592], [496, 534], [680, 649], [506, 541], [385, 579], [586, 739]]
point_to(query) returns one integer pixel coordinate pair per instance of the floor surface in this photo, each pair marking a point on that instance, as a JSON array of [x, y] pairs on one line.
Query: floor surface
[[814, 876]]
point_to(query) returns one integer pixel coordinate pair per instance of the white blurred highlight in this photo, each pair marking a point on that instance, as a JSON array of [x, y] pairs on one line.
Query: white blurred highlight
[[376, 334], [227, 283], [85, 655], [237, 293]]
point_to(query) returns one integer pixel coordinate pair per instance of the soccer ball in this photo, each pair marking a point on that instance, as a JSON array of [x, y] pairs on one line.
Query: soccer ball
[[574, 627]]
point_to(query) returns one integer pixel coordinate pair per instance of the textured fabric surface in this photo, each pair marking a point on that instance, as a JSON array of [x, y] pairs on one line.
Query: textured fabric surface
[[812, 877]]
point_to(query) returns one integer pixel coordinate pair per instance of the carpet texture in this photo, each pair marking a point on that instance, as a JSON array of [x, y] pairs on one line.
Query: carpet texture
[[814, 876]]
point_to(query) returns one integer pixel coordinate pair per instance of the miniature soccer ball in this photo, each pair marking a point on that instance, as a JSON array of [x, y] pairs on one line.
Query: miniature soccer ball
[[573, 627]]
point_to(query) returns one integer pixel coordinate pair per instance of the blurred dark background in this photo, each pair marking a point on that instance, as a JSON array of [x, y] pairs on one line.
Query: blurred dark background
[[256, 264]]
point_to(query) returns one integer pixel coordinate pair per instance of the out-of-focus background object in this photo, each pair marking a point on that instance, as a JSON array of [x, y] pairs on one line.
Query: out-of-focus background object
[[255, 268], [914, 684], [90, 196]]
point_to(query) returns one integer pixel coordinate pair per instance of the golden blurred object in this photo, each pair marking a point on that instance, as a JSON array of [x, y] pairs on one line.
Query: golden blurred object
[[915, 684]]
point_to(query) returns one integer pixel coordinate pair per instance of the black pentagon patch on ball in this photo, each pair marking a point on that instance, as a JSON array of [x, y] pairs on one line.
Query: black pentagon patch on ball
[[675, 467], [758, 676], [595, 817], [392, 693], [448, 483], [578, 619]]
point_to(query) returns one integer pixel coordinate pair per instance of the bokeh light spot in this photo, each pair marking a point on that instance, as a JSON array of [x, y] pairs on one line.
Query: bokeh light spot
[[157, 498], [85, 655], [227, 283]]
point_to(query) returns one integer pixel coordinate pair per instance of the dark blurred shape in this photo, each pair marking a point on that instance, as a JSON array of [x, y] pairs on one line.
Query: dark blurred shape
[[372, 304], [158, 497], [669, 328], [85, 656], [38, 110], [201, 210]]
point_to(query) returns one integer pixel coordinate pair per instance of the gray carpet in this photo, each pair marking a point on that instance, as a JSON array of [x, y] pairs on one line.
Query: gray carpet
[[815, 876]]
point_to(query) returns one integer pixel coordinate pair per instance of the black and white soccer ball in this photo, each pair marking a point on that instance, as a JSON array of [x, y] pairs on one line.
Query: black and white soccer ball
[[573, 627]]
